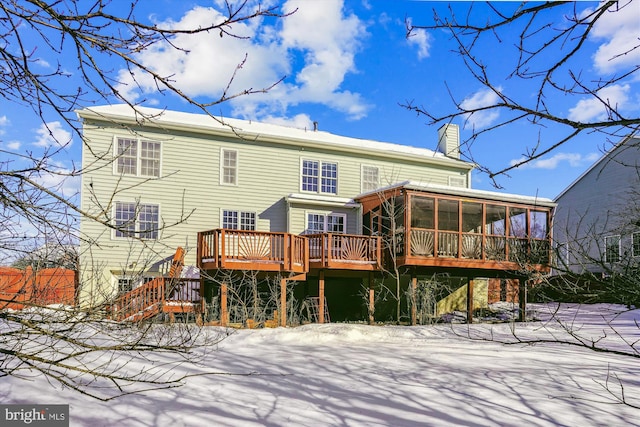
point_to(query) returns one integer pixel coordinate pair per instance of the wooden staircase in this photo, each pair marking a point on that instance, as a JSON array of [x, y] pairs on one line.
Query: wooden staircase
[[161, 295]]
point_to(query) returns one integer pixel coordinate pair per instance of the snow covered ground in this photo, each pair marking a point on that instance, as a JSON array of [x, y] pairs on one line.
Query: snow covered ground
[[359, 375]]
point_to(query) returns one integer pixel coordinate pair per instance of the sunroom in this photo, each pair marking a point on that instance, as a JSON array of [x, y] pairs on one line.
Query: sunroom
[[460, 228]]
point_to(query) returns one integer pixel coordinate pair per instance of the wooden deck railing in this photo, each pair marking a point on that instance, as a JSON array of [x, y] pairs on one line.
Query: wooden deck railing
[[475, 246], [252, 250], [344, 251], [154, 297]]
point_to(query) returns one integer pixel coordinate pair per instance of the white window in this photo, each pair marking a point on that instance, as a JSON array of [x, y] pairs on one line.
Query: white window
[[236, 220], [149, 158], [329, 178], [229, 167], [326, 223], [148, 221], [124, 285], [635, 244], [370, 178], [319, 176], [136, 220], [612, 248], [137, 157], [310, 176], [127, 155]]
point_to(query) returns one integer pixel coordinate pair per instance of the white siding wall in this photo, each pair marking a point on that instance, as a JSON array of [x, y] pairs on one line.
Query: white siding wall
[[601, 203]]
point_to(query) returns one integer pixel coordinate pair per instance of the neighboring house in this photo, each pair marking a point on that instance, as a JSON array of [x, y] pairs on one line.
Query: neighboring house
[[241, 195], [597, 220]]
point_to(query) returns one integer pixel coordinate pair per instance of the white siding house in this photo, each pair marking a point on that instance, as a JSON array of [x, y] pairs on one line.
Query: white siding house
[[163, 176], [597, 219]]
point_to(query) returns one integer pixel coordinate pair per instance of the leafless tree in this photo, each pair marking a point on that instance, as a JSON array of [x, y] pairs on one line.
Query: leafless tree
[[75, 347], [550, 40]]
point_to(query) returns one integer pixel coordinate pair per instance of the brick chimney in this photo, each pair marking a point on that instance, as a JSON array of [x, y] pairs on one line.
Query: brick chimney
[[449, 140]]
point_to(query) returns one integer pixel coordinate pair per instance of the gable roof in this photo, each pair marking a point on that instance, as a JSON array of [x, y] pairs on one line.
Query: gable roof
[[257, 131], [605, 156]]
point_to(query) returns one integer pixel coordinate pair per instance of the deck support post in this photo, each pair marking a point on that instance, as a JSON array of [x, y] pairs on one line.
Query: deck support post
[[469, 300], [321, 306], [283, 302], [203, 303], [224, 309], [372, 300], [522, 299], [414, 287]]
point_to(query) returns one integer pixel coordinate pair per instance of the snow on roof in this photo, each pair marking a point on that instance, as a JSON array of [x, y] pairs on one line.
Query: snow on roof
[[252, 129], [317, 199], [469, 192]]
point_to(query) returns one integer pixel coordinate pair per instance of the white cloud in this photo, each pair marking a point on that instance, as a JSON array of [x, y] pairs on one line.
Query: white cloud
[[61, 183], [52, 133], [43, 63], [619, 28], [300, 121], [422, 39], [598, 107], [572, 159], [4, 121], [14, 145], [208, 61], [480, 99], [318, 35]]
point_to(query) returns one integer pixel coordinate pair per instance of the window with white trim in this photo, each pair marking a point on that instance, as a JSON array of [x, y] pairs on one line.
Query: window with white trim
[[125, 284], [136, 220], [612, 248], [635, 244], [137, 157], [237, 220], [370, 178], [319, 177], [229, 167], [329, 178], [326, 223]]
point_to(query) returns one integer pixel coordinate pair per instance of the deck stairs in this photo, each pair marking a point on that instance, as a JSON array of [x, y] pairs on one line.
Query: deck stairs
[[161, 295]]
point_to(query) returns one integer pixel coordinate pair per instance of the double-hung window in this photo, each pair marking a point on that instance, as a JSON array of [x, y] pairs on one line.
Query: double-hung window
[[237, 220], [326, 223], [125, 284], [137, 157], [612, 248], [229, 167], [370, 178], [136, 220], [319, 177]]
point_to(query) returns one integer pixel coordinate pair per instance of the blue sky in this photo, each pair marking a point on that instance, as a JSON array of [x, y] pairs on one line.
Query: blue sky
[[348, 66]]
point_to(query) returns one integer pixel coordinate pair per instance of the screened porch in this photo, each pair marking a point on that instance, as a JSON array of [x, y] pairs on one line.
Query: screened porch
[[449, 230]]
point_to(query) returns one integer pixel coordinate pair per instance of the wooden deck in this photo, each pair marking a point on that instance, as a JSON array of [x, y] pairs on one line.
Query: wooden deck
[[252, 250], [344, 252]]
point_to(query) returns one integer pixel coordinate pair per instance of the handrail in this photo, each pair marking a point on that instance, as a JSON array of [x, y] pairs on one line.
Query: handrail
[[148, 299], [329, 247], [219, 247], [480, 246]]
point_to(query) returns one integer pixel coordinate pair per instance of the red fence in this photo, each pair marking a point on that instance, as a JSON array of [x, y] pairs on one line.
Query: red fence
[[24, 288]]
